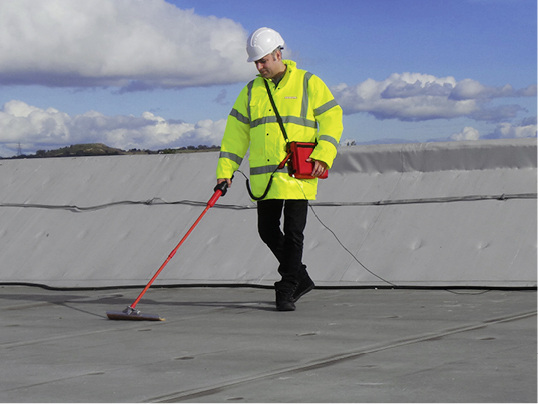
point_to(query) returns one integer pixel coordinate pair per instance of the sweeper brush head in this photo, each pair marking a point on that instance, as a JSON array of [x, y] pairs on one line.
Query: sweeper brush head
[[132, 315]]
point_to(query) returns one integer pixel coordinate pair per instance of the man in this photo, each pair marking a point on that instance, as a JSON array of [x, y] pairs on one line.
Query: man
[[309, 114]]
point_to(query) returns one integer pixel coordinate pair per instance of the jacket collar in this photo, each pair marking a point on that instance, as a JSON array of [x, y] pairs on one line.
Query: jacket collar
[[291, 66]]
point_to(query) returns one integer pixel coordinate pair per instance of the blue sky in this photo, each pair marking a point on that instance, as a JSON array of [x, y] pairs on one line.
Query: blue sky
[[155, 74]]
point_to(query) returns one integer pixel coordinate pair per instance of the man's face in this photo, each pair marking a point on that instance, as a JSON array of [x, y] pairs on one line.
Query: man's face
[[269, 66]]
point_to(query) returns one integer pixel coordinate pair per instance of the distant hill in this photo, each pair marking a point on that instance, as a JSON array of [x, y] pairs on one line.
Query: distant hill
[[89, 149], [100, 149]]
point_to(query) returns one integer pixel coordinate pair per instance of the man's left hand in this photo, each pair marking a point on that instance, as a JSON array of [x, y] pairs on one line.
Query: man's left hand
[[319, 167]]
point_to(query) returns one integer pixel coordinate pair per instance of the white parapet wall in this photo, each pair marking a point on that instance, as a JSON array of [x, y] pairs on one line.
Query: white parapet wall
[[459, 214]]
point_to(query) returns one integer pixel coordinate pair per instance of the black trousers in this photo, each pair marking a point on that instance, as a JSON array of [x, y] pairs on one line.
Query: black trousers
[[287, 245]]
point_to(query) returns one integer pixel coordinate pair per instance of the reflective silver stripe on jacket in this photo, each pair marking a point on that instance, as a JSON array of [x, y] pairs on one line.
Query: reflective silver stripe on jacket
[[304, 101], [240, 117], [249, 98], [324, 108], [329, 139], [267, 170], [285, 119], [232, 156]]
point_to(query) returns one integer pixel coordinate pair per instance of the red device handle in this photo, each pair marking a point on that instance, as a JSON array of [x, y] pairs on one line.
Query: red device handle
[[220, 190]]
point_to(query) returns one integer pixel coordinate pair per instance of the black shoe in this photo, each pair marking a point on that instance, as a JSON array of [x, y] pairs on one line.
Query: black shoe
[[304, 286], [284, 300]]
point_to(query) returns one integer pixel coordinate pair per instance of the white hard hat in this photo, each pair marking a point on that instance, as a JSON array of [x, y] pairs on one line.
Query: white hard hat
[[262, 42]]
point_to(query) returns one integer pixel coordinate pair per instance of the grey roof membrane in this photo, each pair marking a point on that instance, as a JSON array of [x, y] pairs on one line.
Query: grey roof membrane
[[440, 214]]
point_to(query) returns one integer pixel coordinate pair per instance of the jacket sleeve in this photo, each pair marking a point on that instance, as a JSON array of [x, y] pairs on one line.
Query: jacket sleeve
[[328, 115], [236, 138]]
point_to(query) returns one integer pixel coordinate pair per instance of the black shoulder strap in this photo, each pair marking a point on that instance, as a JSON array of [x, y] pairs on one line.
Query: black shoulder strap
[[281, 165], [278, 118]]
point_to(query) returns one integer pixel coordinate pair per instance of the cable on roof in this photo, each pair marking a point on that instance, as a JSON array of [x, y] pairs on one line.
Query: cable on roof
[[159, 201]]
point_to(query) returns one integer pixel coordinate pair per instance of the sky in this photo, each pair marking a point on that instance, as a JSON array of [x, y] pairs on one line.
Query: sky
[[155, 74]]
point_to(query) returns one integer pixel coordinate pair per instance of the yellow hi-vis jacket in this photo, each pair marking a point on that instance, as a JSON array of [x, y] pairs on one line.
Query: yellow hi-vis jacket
[[309, 113]]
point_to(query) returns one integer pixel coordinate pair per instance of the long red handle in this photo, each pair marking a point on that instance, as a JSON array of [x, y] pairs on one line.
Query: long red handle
[[218, 193]]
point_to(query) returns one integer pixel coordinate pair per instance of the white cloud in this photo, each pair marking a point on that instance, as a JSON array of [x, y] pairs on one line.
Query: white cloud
[[21, 121], [124, 43], [508, 130], [418, 97], [36, 128], [468, 133], [504, 130], [468, 89]]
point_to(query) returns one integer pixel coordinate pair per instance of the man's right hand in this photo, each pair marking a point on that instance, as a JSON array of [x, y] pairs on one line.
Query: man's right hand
[[228, 180]]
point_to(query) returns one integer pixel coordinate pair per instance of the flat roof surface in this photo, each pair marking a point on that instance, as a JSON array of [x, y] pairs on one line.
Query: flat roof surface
[[230, 345]]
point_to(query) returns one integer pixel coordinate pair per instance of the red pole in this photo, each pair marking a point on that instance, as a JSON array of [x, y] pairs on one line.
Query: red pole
[[219, 191]]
